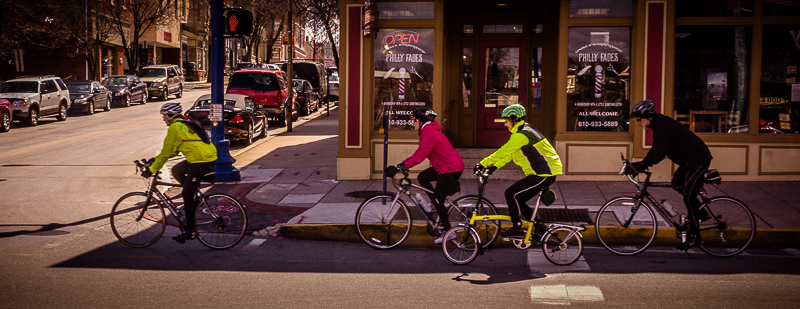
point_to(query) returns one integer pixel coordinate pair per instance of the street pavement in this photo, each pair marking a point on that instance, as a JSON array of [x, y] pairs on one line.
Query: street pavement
[[290, 189]]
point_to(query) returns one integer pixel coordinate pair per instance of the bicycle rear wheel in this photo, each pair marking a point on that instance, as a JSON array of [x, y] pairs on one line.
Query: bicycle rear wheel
[[221, 221], [135, 223], [624, 239], [463, 246], [487, 230], [562, 246], [731, 228], [381, 223]]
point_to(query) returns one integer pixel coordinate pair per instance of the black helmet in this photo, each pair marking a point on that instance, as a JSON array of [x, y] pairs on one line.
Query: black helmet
[[171, 109], [643, 109], [424, 114]]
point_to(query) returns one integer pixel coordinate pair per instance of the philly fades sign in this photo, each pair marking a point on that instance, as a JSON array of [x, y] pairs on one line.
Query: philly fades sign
[[403, 75]]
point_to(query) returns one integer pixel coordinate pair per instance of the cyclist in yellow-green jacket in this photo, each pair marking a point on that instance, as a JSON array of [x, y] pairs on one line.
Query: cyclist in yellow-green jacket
[[529, 149], [192, 141]]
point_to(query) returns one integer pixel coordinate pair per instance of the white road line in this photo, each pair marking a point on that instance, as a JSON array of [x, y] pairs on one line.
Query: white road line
[[792, 251], [254, 244], [560, 294]]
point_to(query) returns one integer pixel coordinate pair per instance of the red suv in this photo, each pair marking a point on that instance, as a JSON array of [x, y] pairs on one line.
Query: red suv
[[267, 88]]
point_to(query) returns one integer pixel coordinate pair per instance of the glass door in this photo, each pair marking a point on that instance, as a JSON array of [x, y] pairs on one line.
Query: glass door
[[502, 78]]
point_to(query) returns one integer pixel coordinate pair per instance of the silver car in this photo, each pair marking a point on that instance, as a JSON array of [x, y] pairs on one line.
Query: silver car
[[34, 96]]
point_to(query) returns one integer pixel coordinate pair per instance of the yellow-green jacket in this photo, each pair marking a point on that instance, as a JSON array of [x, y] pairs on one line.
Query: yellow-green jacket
[[180, 138], [528, 148]]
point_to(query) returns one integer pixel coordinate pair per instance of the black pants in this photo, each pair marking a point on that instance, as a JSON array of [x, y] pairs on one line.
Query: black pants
[[522, 191], [189, 175], [688, 180], [446, 184]]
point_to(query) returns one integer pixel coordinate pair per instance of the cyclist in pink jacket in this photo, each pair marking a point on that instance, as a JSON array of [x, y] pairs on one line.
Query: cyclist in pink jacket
[[446, 163]]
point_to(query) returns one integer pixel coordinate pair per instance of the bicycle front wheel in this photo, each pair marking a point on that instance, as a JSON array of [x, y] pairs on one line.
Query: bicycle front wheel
[[381, 223], [136, 223], [731, 228], [462, 245], [562, 246], [624, 227], [221, 221], [487, 230]]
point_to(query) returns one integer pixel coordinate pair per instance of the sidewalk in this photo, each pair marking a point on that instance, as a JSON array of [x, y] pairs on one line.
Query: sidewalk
[[289, 186]]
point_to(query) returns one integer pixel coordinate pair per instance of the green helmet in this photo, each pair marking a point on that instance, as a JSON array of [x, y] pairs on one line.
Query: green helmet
[[514, 112]]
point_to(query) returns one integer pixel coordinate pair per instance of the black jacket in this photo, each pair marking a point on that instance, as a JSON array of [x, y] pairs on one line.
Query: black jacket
[[673, 140]]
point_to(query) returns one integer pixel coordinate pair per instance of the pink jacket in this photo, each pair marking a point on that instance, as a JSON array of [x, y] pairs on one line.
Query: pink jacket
[[434, 146]]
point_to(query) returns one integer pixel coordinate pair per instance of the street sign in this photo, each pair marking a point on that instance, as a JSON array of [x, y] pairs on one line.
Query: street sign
[[215, 112]]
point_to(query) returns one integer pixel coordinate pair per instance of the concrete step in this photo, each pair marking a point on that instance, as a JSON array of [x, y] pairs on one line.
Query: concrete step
[[472, 156]]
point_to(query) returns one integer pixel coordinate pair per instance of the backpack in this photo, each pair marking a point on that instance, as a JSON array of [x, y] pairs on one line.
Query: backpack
[[198, 129]]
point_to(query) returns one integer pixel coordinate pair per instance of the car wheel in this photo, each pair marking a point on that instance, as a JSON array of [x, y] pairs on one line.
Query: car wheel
[[180, 93], [165, 94], [90, 108], [250, 135], [264, 128], [144, 98], [128, 100], [108, 105], [62, 112], [6, 125], [33, 117]]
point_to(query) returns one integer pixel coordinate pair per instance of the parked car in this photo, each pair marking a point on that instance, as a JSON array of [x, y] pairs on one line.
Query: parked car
[[243, 121], [333, 87], [307, 99], [273, 67], [250, 65], [5, 115], [268, 90], [313, 72], [163, 80], [34, 96], [126, 89], [89, 95]]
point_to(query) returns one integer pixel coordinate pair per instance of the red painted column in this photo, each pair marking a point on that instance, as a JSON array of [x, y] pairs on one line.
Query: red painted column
[[354, 78], [655, 39]]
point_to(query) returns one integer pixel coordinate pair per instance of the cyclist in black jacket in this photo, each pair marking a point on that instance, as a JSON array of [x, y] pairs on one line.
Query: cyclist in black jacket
[[673, 140]]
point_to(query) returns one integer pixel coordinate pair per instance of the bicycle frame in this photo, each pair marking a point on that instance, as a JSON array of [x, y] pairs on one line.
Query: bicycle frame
[[404, 188]]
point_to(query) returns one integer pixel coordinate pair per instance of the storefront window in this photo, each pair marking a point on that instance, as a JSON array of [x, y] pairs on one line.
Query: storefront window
[[466, 79], [403, 75], [405, 10], [715, 8], [782, 8], [502, 28], [712, 65], [598, 79], [600, 8], [780, 88], [536, 78]]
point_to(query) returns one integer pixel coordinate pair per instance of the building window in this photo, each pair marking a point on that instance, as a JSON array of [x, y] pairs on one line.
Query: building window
[[405, 10], [598, 79], [781, 8], [469, 29], [714, 8], [536, 78], [466, 75], [779, 104], [712, 68], [502, 28], [600, 8]]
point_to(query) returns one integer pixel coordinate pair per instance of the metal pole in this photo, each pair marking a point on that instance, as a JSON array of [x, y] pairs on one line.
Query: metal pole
[[224, 167], [289, 68], [385, 146]]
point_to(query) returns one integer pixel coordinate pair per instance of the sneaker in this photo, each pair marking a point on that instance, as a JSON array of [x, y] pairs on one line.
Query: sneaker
[[514, 232], [441, 236], [691, 241], [183, 237]]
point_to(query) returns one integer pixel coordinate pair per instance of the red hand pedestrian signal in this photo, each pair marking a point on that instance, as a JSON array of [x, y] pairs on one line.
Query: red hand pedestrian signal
[[240, 22]]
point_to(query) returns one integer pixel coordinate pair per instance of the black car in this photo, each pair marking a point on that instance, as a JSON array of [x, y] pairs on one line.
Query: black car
[[89, 95], [307, 99], [243, 121], [126, 89]]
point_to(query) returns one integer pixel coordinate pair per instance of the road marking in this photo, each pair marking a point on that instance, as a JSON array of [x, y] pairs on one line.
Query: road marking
[[792, 251], [255, 243], [8, 153], [561, 294]]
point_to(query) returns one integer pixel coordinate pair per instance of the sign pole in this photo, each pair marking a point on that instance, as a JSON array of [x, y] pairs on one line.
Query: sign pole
[[224, 166]]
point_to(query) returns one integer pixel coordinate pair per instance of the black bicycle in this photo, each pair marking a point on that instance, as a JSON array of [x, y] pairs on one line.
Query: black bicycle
[[138, 219], [627, 225]]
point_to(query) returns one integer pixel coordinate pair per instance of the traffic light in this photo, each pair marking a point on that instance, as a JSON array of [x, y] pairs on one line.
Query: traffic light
[[238, 22]]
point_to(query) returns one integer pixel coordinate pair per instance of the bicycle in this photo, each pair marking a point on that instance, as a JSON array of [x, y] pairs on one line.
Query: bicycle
[[383, 221], [561, 244], [138, 219], [627, 225]]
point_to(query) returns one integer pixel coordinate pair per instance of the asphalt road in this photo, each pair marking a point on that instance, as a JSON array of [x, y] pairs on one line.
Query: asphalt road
[[59, 180]]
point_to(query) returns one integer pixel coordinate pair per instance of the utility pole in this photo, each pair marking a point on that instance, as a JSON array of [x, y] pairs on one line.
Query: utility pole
[[224, 167], [289, 68]]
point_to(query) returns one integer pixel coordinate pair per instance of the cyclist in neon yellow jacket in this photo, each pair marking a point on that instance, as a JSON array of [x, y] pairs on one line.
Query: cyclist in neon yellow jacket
[[529, 149], [191, 140]]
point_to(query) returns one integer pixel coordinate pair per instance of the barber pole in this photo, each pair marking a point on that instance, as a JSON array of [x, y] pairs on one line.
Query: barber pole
[[401, 91], [598, 81]]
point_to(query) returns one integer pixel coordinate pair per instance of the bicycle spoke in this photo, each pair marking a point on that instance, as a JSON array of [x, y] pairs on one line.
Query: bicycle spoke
[[731, 229], [620, 238]]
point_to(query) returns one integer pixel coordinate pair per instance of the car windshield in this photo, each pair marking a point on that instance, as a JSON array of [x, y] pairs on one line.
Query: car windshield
[[115, 82], [297, 85], [153, 73], [229, 104], [29, 87], [244, 65], [81, 88], [254, 81]]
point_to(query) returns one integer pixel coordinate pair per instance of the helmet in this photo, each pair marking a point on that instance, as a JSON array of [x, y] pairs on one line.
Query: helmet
[[424, 114], [643, 109], [514, 112], [171, 109]]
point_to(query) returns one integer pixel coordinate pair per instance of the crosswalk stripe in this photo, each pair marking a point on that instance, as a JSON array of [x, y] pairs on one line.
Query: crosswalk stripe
[[254, 244], [560, 294]]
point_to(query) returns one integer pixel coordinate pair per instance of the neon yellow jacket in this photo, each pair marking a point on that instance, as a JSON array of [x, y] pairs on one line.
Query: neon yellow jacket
[[180, 138], [528, 148]]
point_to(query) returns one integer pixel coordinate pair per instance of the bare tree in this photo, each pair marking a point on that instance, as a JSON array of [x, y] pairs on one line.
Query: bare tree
[[326, 14], [138, 16]]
